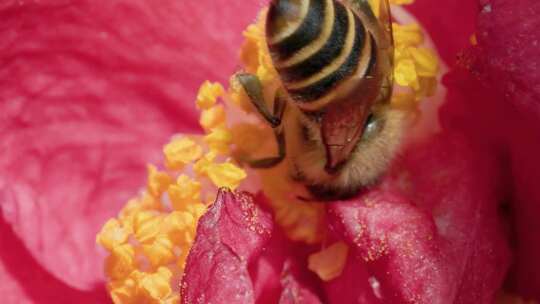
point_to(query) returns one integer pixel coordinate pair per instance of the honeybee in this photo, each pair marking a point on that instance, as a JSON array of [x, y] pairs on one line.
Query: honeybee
[[332, 115]]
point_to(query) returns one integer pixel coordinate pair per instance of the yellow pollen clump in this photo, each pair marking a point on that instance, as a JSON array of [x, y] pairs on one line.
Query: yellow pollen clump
[[226, 175], [157, 285], [121, 261], [401, 2], [405, 74], [184, 192], [208, 94], [149, 241], [112, 234], [219, 140], [158, 181], [180, 152], [329, 262], [213, 117], [415, 67]]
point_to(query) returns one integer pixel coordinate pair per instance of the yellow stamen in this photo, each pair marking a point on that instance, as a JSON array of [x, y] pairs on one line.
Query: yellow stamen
[[405, 74], [401, 2], [407, 35], [160, 251], [121, 262], [157, 181], [213, 117], [157, 285], [112, 234], [425, 61], [226, 175], [219, 140], [180, 152], [146, 226], [184, 192], [208, 94]]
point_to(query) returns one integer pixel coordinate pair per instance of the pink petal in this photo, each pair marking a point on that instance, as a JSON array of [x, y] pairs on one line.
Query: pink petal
[[24, 280], [89, 92], [437, 240], [230, 235]]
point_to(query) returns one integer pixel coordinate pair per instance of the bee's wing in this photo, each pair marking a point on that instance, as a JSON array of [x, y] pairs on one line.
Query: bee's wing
[[377, 17]]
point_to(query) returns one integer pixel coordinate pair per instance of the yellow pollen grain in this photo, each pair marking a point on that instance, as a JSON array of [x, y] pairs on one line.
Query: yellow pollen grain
[[180, 226], [112, 234], [407, 35], [401, 2], [328, 263], [147, 226], [157, 181], [208, 94], [426, 62], [197, 210], [473, 39], [123, 292], [159, 252], [219, 140], [184, 192], [212, 117], [180, 152], [249, 52], [157, 285], [405, 74], [202, 165], [226, 175], [121, 262]]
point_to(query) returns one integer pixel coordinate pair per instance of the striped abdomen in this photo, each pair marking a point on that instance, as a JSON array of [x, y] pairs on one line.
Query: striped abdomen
[[318, 46]]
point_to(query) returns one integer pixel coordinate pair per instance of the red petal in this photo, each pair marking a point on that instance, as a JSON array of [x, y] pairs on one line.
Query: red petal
[[446, 247], [392, 238], [499, 102], [450, 24], [89, 92], [281, 269], [296, 282], [508, 38], [353, 285], [230, 235]]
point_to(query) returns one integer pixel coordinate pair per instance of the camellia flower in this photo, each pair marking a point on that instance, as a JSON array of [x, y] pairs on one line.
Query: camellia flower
[[89, 91]]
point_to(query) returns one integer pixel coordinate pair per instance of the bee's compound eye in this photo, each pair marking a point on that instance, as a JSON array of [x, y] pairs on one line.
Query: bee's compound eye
[[372, 127]]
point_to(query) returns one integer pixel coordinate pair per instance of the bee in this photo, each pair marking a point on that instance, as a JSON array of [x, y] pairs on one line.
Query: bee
[[332, 116]]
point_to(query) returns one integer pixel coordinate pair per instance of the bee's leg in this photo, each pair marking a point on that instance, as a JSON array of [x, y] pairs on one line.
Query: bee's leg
[[253, 88], [270, 162]]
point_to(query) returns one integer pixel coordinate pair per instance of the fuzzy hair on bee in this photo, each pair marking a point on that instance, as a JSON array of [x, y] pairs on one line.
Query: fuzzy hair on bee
[[331, 117]]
